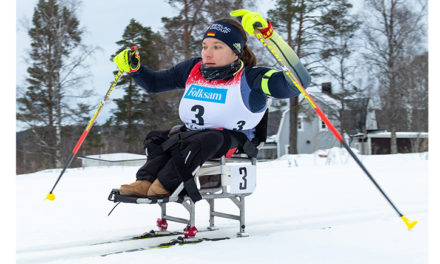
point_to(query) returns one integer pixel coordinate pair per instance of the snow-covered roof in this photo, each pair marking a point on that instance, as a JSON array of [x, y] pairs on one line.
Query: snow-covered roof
[[351, 102], [323, 98], [115, 156], [387, 134], [399, 135]]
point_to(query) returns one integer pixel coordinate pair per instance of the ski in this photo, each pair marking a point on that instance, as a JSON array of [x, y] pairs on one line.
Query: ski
[[173, 242], [146, 235]]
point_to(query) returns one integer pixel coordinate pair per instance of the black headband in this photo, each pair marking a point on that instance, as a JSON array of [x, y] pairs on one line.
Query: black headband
[[227, 33]]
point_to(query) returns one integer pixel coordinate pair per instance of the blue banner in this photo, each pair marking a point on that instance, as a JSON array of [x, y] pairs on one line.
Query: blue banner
[[207, 94]]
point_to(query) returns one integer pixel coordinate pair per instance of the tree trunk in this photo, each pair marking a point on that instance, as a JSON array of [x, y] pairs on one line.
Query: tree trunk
[[294, 101], [186, 33], [293, 149], [51, 124], [58, 127]]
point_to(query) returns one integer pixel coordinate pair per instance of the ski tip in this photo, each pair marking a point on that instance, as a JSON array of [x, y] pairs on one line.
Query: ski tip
[[409, 224], [50, 197]]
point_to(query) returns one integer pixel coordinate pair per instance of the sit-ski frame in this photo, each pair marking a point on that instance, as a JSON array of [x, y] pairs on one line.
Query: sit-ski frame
[[237, 177]]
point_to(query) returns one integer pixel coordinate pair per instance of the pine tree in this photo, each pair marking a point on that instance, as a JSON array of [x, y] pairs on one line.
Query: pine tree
[[56, 56], [135, 107], [217, 9], [184, 32]]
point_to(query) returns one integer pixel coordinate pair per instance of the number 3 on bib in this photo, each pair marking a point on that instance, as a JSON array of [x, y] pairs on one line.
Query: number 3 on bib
[[199, 111], [240, 125]]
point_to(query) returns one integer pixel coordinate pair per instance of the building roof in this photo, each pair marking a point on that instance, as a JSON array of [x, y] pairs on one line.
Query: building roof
[[115, 157], [386, 134], [323, 99], [358, 113]]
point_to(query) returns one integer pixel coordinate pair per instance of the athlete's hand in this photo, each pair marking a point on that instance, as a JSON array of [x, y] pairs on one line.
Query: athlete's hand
[[253, 20], [128, 60]]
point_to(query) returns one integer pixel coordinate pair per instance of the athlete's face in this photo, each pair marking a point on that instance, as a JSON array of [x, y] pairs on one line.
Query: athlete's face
[[215, 53]]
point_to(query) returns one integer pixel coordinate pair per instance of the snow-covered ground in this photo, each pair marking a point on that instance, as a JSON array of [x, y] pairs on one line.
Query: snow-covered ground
[[305, 209]]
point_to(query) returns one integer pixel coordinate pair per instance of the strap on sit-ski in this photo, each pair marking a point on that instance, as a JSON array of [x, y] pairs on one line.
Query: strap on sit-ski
[[185, 174]]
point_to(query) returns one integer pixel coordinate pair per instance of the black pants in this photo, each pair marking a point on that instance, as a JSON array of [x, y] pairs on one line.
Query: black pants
[[195, 150]]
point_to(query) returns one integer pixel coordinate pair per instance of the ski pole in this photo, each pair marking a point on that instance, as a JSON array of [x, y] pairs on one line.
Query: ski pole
[[409, 224], [50, 196]]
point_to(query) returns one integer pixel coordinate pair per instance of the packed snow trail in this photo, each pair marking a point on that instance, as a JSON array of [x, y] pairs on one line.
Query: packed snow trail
[[86, 249], [305, 208]]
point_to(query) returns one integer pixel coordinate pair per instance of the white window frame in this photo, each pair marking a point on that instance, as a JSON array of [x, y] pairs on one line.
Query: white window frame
[[300, 124], [322, 125]]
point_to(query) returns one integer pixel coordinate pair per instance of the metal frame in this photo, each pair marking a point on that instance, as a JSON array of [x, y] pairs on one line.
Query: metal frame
[[210, 195]]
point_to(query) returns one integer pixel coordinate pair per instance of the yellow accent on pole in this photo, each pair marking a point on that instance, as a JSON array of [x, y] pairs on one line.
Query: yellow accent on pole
[[288, 73], [408, 223], [50, 197], [94, 116], [107, 96], [92, 120], [306, 96]]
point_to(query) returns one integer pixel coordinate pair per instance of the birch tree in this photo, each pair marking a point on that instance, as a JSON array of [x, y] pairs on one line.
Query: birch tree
[[393, 37], [337, 32]]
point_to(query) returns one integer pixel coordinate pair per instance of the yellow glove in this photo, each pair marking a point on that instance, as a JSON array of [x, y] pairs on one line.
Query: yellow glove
[[251, 20], [128, 60]]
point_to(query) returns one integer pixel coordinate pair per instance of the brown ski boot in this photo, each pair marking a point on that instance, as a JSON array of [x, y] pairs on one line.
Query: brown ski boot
[[137, 188], [157, 189]]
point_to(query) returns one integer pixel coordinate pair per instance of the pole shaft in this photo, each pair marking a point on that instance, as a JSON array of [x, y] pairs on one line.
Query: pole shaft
[[324, 118], [87, 129], [369, 176], [69, 161]]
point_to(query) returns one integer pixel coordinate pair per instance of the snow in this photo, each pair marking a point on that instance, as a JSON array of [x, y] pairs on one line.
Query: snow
[[305, 209], [325, 99], [387, 134], [117, 156]]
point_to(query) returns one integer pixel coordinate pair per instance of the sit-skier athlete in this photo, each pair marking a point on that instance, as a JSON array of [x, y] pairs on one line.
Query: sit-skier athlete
[[225, 98]]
